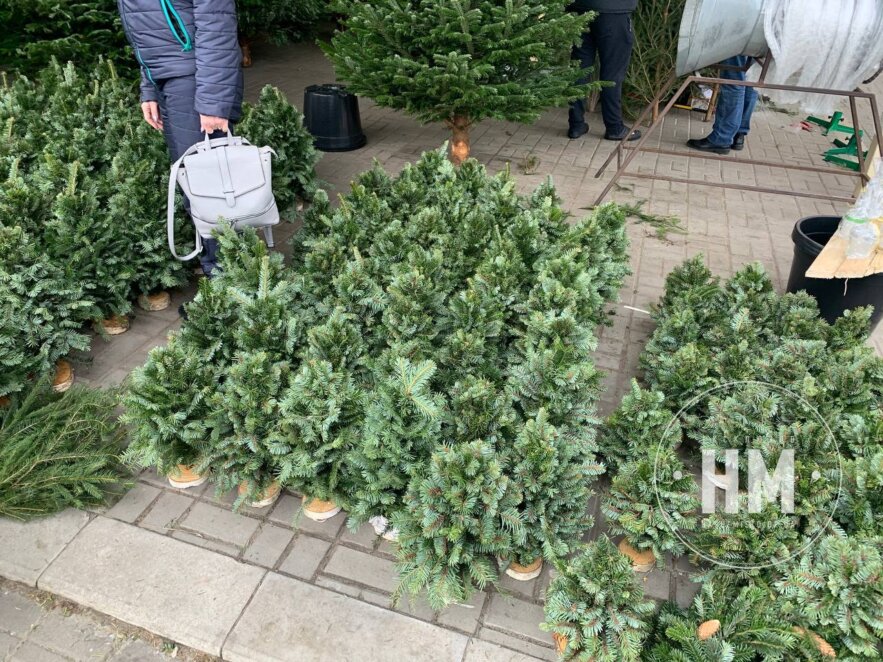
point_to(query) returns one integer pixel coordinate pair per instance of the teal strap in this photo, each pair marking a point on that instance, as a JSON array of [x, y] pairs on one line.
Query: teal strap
[[171, 13]]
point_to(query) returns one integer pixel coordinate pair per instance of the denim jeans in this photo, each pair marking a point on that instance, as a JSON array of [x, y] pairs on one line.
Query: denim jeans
[[735, 103]]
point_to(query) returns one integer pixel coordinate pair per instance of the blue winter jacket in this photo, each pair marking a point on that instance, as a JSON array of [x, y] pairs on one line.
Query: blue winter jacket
[[175, 38]]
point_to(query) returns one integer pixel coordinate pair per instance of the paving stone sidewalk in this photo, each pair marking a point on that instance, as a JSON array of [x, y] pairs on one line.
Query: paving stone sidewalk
[[35, 628], [267, 585]]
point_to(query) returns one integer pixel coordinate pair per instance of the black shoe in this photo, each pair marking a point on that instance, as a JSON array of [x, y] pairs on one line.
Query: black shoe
[[182, 312], [738, 142], [703, 145], [622, 134], [577, 132]]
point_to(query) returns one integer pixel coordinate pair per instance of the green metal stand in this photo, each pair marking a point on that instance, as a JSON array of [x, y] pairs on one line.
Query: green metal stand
[[850, 148], [833, 123]]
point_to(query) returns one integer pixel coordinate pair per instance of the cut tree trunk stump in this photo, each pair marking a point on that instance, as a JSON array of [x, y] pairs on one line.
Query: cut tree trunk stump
[[154, 302], [64, 376]]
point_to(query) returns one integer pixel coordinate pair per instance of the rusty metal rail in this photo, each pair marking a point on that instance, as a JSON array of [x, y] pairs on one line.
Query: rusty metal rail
[[626, 152]]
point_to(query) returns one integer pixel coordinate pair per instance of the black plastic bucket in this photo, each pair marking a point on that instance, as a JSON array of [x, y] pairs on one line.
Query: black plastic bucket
[[331, 114], [835, 295]]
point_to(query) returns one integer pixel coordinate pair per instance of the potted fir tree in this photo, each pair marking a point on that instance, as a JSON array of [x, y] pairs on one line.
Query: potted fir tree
[[492, 60], [640, 425], [321, 414], [459, 514], [650, 500], [726, 620], [167, 408], [401, 429], [836, 589], [41, 313], [595, 608]]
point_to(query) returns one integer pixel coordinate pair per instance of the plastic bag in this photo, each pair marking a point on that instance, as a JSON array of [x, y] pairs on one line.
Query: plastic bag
[[861, 224]]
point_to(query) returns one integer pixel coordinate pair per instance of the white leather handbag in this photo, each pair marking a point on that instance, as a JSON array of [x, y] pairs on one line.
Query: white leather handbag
[[225, 179]]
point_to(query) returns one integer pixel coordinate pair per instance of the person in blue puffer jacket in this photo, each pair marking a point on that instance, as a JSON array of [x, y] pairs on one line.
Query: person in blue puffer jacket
[[191, 76]]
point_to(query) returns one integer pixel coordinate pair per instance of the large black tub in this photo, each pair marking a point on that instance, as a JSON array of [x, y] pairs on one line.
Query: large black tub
[[835, 295]]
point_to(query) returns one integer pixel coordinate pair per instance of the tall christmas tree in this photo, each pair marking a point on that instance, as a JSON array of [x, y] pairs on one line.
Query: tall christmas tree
[[460, 61]]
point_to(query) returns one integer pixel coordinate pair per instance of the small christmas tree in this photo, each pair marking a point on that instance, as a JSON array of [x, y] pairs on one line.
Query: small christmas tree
[[247, 439], [552, 473], [275, 122], [41, 312], [168, 408], [460, 61], [650, 501], [639, 427], [838, 587], [725, 622], [460, 514], [597, 607], [402, 428], [321, 413]]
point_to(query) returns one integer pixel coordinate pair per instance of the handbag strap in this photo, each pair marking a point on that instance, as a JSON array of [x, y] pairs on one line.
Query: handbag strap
[[170, 218]]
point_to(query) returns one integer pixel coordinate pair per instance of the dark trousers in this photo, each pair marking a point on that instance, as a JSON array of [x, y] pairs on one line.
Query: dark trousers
[[177, 97], [610, 37]]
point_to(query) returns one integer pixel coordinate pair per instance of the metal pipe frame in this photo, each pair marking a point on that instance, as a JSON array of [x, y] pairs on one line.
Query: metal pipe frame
[[633, 150]]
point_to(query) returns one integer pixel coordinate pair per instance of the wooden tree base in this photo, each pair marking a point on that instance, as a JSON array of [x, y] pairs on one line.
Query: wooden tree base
[[524, 573], [114, 326], [266, 498], [64, 376], [319, 511], [154, 302], [708, 629], [642, 560]]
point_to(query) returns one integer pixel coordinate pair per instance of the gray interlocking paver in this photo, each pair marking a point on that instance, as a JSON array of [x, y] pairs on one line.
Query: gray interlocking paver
[[36, 543], [516, 643], [17, 613], [176, 590], [482, 651], [364, 537], [515, 616], [166, 512], [305, 556], [72, 637], [290, 620], [135, 502], [288, 513], [685, 590], [31, 652], [220, 524], [208, 543], [268, 546], [656, 584], [363, 568], [464, 616]]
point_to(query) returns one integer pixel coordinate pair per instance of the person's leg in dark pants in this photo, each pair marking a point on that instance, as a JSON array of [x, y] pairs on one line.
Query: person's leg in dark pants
[[614, 38], [182, 130], [585, 53]]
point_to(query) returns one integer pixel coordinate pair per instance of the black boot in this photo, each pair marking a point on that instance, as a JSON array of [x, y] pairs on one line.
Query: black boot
[[703, 145], [739, 142], [575, 132]]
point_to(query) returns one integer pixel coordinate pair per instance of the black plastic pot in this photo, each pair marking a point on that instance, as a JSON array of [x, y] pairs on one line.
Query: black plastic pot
[[331, 114], [835, 295]]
